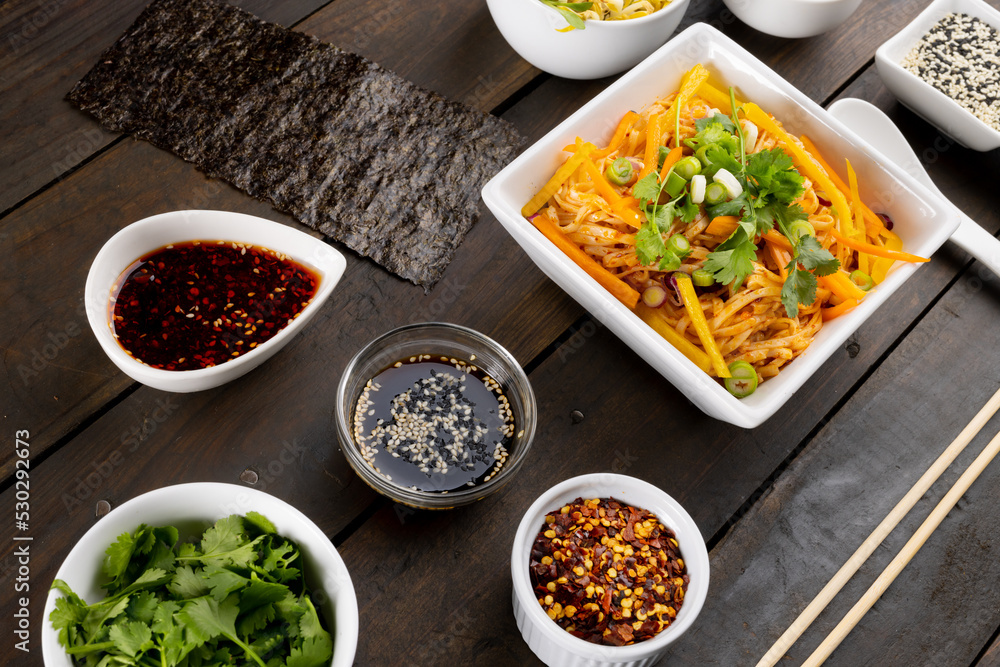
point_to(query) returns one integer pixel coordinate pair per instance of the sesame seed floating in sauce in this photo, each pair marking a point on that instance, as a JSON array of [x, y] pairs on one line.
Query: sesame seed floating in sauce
[[420, 423], [960, 56]]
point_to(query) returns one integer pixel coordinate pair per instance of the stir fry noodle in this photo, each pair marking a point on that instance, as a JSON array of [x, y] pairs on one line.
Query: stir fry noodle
[[730, 237]]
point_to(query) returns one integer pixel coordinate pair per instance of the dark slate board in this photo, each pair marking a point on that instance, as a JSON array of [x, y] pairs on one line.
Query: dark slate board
[[350, 149]]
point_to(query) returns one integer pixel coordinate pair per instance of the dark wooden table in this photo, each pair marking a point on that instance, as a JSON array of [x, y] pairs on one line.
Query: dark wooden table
[[781, 506]]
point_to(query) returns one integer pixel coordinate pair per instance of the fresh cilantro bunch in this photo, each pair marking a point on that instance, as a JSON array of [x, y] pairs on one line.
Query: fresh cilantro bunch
[[237, 596], [649, 245], [771, 185]]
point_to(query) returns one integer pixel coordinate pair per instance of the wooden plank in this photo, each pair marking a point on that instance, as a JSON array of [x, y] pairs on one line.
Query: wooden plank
[[45, 48], [992, 657], [58, 376]]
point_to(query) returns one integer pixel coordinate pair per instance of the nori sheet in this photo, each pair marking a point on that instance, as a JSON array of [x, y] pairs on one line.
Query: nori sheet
[[349, 148]]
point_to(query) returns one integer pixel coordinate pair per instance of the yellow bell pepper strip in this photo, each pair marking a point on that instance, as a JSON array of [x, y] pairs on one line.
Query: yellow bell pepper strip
[[673, 156], [716, 98], [873, 223], [805, 164], [876, 250], [653, 134], [841, 285], [619, 289], [700, 324], [624, 125], [654, 318], [561, 176], [838, 310], [881, 266], [859, 217], [690, 83]]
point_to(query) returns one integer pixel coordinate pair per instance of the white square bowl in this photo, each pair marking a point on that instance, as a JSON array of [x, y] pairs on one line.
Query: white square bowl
[[923, 220], [924, 99]]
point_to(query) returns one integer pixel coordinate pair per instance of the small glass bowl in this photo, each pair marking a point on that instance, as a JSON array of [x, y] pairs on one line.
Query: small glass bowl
[[436, 339]]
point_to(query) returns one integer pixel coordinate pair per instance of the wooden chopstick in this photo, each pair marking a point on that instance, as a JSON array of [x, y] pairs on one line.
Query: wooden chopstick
[[822, 599], [890, 573]]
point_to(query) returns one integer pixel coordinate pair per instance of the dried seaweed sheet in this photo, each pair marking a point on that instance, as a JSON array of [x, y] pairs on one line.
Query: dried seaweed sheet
[[350, 149]]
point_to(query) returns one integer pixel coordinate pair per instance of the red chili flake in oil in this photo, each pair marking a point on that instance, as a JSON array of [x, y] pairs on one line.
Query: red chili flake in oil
[[199, 304], [607, 572]]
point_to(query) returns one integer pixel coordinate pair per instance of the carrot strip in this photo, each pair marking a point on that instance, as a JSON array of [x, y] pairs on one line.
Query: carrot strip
[[601, 184], [653, 134], [779, 257], [722, 225], [873, 223], [619, 289], [562, 174], [875, 250], [654, 318], [700, 324], [672, 157], [778, 239], [805, 164], [624, 125], [838, 310]]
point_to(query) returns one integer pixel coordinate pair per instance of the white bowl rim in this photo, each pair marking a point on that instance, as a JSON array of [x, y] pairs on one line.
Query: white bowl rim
[[679, 520], [330, 270], [913, 31], [346, 623]]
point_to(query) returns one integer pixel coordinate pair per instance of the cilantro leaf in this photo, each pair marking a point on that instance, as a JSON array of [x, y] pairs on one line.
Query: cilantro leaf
[[814, 257], [142, 606], [131, 637], [799, 287], [649, 245], [732, 261], [313, 652], [647, 189], [221, 582], [773, 174], [186, 584], [259, 523]]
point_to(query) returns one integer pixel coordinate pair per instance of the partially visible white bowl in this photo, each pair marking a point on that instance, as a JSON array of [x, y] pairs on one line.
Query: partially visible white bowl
[[793, 18], [921, 97], [149, 234], [923, 219], [192, 508], [602, 49], [550, 642]]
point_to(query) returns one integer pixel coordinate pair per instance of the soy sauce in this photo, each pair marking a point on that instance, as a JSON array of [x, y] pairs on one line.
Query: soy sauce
[[434, 424]]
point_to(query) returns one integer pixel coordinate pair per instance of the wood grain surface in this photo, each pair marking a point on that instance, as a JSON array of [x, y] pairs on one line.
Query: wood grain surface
[[781, 506]]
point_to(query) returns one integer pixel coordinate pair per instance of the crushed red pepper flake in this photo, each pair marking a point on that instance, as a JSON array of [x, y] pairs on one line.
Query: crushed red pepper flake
[[172, 308], [607, 572]]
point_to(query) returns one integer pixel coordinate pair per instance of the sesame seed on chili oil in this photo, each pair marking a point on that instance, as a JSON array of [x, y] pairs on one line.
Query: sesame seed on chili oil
[[199, 304]]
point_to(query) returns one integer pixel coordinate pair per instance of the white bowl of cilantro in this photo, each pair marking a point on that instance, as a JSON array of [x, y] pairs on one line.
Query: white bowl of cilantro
[[202, 571]]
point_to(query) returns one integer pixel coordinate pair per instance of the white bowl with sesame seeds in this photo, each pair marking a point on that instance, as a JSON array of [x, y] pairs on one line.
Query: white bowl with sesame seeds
[[193, 508], [150, 234], [946, 67], [458, 437], [549, 641]]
